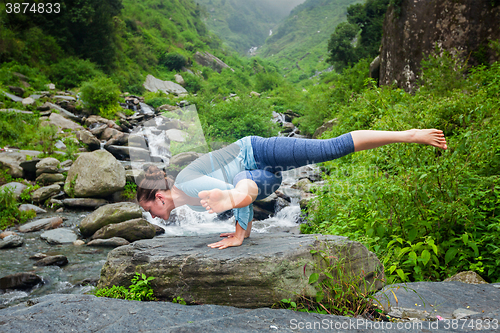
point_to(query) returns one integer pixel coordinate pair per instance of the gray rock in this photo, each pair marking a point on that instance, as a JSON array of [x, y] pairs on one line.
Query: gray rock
[[112, 213], [108, 133], [95, 174], [12, 97], [50, 178], [208, 60], [59, 236], [65, 113], [134, 176], [179, 79], [176, 135], [153, 84], [126, 153], [327, 126], [462, 313], [47, 223], [263, 270], [110, 242], [467, 277], [62, 123], [183, 159], [45, 192], [16, 111], [120, 139], [58, 260], [11, 241], [303, 184], [20, 281], [26, 207], [66, 164], [441, 298], [47, 165], [38, 256], [131, 230], [89, 139], [84, 202], [10, 161], [28, 101], [16, 187]]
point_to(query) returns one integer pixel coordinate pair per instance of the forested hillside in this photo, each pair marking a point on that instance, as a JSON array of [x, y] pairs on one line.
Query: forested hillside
[[245, 24], [299, 44]]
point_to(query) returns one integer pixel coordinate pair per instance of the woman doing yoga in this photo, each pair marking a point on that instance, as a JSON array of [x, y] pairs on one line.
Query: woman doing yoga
[[250, 169]]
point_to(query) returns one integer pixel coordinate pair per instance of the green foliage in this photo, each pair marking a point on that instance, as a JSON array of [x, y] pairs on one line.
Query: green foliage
[[179, 300], [139, 290], [130, 190], [48, 138], [18, 129], [173, 61], [427, 213], [71, 72], [9, 212], [339, 291], [71, 149], [100, 96], [340, 45], [157, 99], [26, 193]]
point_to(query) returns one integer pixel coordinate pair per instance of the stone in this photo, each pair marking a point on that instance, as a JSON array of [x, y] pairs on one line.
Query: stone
[[11, 241], [17, 90], [411, 32], [209, 60], [28, 101], [467, 277], [183, 159], [177, 135], [58, 260], [128, 153], [131, 230], [179, 79], [36, 209], [168, 107], [108, 214], [110, 242], [6, 233], [95, 174], [254, 94], [327, 126], [47, 165], [268, 203], [12, 97], [84, 202], [17, 188], [51, 86], [303, 184], [440, 298], [45, 192], [38, 256], [10, 162], [20, 281], [78, 242], [168, 87], [262, 271], [305, 199], [120, 139], [108, 133], [47, 223], [60, 210], [65, 113], [462, 313], [63, 123], [66, 164], [50, 178], [59, 236], [89, 139], [375, 68], [134, 176], [116, 315]]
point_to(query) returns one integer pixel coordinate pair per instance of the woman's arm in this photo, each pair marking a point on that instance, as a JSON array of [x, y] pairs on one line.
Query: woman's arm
[[368, 139]]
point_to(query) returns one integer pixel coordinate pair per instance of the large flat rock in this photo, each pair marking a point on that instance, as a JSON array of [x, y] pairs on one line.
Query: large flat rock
[[261, 272], [85, 313]]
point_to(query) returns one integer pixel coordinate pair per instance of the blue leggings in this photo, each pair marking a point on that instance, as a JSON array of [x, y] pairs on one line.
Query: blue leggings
[[277, 154]]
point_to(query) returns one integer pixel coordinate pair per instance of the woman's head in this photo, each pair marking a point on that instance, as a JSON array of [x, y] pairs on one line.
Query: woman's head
[[152, 193]]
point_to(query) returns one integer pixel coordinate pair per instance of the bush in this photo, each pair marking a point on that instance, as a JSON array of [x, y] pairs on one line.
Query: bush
[[173, 61], [71, 72], [100, 95], [9, 212], [139, 290]]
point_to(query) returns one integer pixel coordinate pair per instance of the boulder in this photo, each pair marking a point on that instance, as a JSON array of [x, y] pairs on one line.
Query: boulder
[[303, 184], [108, 214], [20, 281], [108, 133], [95, 174], [11, 241], [262, 271], [63, 123], [209, 60], [119, 139], [50, 178], [58, 260], [84, 202], [89, 139], [131, 230], [168, 87], [179, 79], [45, 192], [176, 135], [110, 242], [183, 159], [59, 236], [36, 209], [128, 153], [327, 126], [467, 277], [65, 113], [47, 223], [16, 187], [47, 165], [28, 101], [411, 32], [6, 234], [10, 162], [17, 90]]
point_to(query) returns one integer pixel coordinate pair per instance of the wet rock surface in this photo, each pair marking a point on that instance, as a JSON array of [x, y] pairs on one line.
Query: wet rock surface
[[19, 281]]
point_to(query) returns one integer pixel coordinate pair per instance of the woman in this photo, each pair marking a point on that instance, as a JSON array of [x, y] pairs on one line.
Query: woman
[[250, 169]]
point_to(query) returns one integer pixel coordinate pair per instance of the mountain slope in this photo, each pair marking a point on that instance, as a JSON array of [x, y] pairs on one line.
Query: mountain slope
[[299, 44], [244, 24]]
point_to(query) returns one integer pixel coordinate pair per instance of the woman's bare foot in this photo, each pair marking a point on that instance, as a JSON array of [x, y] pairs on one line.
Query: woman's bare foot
[[218, 201], [433, 137]]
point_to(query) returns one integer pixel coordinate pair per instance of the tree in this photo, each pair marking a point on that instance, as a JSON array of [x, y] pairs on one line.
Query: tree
[[341, 47]]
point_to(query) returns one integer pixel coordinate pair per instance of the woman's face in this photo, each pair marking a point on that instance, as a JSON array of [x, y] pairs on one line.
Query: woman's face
[[156, 208]]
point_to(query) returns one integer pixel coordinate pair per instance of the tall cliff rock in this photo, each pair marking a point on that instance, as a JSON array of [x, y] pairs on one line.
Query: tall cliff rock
[[412, 29]]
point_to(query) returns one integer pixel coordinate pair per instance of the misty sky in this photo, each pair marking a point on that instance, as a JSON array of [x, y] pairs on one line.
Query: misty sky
[[283, 7]]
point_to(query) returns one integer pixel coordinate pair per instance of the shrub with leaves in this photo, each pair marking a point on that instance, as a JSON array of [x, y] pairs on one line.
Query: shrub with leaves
[[139, 290], [100, 95]]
